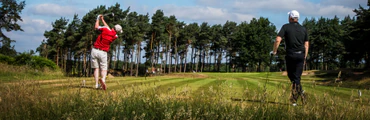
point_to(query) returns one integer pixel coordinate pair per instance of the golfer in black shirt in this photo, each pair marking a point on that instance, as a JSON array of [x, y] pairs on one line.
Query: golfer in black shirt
[[296, 45]]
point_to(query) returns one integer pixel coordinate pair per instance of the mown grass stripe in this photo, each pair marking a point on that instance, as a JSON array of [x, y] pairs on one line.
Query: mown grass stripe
[[344, 93], [168, 87], [90, 84], [195, 85], [205, 88], [140, 83], [235, 88]]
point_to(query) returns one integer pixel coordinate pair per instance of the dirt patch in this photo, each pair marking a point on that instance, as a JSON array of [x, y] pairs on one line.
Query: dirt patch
[[284, 73], [37, 82], [110, 76], [304, 73], [59, 84], [349, 78], [365, 81], [355, 76], [49, 81], [357, 73]]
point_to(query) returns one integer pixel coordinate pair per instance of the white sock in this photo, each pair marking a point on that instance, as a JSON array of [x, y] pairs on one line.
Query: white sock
[[294, 104], [96, 77]]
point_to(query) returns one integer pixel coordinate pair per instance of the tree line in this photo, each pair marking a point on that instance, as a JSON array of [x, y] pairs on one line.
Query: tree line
[[167, 42], [230, 47], [172, 45]]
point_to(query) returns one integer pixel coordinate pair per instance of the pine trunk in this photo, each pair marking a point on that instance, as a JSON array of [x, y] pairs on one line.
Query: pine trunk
[[65, 60], [227, 63], [181, 63], [137, 59], [84, 65], [117, 57], [57, 58], [169, 54], [219, 61], [126, 59], [165, 62], [151, 50], [176, 55], [198, 61], [158, 53], [215, 61], [185, 57], [131, 64], [202, 61], [192, 59]]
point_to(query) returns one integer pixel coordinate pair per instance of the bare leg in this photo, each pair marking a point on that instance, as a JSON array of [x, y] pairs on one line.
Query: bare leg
[[103, 75], [96, 77]]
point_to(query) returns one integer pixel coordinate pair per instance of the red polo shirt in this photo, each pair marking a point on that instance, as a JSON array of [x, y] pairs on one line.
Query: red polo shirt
[[106, 37]]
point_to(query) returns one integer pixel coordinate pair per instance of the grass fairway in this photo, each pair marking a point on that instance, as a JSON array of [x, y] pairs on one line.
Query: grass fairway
[[180, 96]]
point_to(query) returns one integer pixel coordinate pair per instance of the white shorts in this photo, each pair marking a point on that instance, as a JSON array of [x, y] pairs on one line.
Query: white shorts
[[99, 58]]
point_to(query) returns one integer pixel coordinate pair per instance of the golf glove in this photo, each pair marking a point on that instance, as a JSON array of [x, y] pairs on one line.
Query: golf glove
[[98, 17], [272, 53]]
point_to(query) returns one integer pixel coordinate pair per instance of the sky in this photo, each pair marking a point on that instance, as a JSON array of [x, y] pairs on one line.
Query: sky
[[38, 15]]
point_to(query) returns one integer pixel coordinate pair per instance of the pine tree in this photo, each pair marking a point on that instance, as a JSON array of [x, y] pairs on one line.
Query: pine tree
[[10, 16]]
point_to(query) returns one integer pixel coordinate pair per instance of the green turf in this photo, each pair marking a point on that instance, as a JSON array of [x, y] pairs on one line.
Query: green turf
[[195, 95]]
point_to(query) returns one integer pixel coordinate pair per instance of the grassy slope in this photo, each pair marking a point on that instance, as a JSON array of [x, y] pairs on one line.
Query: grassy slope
[[235, 85], [244, 89], [16, 73]]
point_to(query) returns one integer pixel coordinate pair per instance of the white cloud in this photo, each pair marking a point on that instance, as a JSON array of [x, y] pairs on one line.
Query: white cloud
[[256, 5], [204, 14], [32, 35], [244, 17], [346, 3], [40, 16], [324, 8], [54, 10], [34, 26], [330, 10], [212, 2], [25, 42]]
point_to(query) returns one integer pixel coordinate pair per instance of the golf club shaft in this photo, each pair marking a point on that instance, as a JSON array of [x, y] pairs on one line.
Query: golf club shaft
[[267, 78], [108, 14], [268, 72]]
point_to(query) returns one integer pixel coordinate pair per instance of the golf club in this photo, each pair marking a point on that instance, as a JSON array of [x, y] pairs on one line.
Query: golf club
[[108, 14], [267, 75]]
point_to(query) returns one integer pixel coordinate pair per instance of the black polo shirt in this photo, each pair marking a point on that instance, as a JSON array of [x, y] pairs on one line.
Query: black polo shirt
[[295, 35]]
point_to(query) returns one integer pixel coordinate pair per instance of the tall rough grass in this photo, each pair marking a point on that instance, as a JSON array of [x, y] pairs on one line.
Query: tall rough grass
[[27, 100], [14, 72]]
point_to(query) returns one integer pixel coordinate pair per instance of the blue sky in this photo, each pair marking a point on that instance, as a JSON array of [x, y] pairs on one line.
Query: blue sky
[[39, 14]]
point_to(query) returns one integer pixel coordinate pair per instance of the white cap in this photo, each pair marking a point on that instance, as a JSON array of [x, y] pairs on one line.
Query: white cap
[[118, 28], [293, 14]]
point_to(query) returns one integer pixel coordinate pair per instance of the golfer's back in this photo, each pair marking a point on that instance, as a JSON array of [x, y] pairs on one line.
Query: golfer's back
[[295, 35]]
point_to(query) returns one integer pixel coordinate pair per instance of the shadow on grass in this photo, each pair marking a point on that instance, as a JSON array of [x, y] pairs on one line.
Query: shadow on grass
[[259, 101], [84, 87], [346, 74], [349, 78]]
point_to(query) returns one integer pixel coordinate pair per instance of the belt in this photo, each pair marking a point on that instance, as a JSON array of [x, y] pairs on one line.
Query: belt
[[297, 52], [100, 49]]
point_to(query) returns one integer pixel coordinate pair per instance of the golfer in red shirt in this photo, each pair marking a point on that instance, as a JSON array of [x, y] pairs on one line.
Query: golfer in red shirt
[[100, 49]]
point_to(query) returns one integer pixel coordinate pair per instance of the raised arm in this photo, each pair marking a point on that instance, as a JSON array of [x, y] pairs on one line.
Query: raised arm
[[97, 22], [105, 24]]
